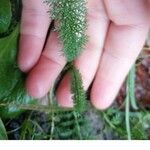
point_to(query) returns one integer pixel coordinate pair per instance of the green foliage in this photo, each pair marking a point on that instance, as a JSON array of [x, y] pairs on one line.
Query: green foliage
[[12, 88], [11, 79], [70, 125], [38, 126], [114, 122], [5, 15], [9, 16], [71, 25], [78, 92], [3, 133], [70, 16], [126, 124]]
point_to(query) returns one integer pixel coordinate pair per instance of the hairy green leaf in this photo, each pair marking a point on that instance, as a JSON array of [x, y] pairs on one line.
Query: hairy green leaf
[[71, 18], [79, 95]]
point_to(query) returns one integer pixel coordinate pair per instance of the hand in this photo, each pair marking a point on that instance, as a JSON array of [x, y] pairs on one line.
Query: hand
[[117, 31]]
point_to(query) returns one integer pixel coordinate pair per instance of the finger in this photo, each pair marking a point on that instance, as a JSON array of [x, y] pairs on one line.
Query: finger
[[127, 12], [123, 44], [49, 66], [34, 26], [88, 62]]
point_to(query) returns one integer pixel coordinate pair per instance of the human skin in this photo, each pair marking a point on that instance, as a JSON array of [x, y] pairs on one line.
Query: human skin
[[117, 30]]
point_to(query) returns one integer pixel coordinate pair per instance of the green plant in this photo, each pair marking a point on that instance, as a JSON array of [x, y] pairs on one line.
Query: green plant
[[15, 100], [12, 79], [5, 15], [27, 116], [70, 17], [79, 95], [3, 133], [115, 123], [130, 99]]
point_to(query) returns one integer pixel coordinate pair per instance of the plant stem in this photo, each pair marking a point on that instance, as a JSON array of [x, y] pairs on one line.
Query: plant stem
[[40, 108], [127, 115], [131, 86], [50, 97], [77, 124], [108, 121]]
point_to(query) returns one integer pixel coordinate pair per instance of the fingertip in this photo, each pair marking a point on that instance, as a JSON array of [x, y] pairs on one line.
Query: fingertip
[[36, 84], [34, 89], [24, 65], [30, 48], [103, 95], [41, 78], [100, 104], [63, 94]]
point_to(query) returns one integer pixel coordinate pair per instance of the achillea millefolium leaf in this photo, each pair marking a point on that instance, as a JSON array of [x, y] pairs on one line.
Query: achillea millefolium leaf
[[70, 16], [77, 89]]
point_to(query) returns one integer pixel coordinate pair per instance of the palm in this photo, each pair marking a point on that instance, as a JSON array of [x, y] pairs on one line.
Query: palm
[[116, 30]]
